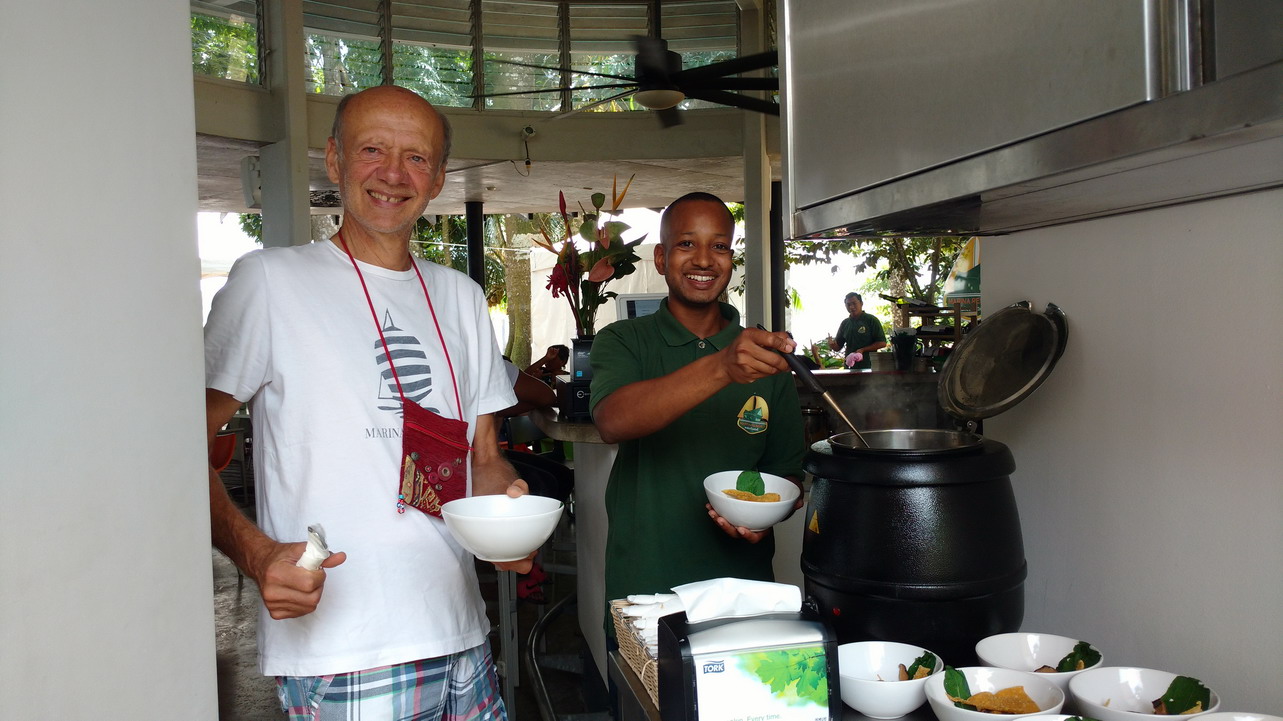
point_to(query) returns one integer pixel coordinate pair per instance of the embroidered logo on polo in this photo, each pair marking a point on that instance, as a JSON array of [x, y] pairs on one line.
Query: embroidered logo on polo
[[754, 416], [411, 366]]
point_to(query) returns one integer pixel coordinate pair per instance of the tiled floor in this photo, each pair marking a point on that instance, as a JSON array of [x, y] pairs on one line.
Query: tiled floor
[[244, 695]]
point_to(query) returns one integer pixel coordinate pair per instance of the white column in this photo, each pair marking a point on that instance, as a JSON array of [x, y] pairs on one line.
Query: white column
[[104, 524], [757, 187], [286, 200]]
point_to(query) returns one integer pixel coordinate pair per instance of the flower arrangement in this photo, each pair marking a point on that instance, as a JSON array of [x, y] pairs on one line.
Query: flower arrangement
[[580, 275]]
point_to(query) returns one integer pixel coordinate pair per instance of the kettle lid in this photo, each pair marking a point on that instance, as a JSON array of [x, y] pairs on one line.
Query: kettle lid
[[1002, 360]]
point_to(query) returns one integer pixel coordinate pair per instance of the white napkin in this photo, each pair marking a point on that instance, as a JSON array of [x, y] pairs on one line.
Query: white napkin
[[316, 551], [736, 597]]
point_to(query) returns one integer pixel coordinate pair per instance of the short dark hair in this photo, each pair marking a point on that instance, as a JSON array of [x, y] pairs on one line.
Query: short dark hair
[[562, 352], [851, 295], [447, 132], [665, 220]]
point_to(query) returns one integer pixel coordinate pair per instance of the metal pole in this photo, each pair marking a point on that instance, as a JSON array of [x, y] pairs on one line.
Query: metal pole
[[778, 300], [476, 241]]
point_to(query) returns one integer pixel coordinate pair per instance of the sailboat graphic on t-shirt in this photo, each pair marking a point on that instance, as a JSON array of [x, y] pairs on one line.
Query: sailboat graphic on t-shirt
[[411, 367]]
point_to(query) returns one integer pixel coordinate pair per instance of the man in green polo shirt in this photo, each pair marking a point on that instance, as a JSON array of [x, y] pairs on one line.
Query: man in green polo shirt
[[685, 392], [859, 333]]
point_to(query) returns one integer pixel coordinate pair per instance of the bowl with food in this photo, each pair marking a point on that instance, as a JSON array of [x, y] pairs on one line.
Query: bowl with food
[[979, 693], [751, 499], [1059, 657], [1125, 693], [884, 679], [500, 528]]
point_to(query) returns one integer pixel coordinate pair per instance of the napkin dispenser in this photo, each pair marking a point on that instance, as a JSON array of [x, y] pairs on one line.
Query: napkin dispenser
[[778, 666]]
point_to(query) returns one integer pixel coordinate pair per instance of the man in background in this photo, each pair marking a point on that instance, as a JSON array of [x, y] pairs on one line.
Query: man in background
[[859, 334]]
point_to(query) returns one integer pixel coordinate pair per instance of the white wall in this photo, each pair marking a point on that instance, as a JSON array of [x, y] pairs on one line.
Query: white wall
[[105, 587], [1150, 465]]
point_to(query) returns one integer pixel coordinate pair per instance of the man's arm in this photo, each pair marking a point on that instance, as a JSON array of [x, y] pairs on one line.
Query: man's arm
[[531, 393], [287, 590], [642, 408]]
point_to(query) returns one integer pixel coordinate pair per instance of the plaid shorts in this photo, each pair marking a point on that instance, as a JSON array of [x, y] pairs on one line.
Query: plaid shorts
[[458, 687]]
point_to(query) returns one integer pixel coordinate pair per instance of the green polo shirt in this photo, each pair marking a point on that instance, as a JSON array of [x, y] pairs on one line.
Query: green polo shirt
[[858, 332], [660, 535]]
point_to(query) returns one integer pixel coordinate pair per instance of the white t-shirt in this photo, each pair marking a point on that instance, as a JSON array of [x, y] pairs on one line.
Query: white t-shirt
[[292, 334]]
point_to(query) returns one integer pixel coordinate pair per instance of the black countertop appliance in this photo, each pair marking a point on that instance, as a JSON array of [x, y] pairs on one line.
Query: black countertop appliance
[[917, 537]]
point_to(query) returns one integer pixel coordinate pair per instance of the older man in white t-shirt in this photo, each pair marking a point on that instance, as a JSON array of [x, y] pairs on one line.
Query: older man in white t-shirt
[[329, 344]]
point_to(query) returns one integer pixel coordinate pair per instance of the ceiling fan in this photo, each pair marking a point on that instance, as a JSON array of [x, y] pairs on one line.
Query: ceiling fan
[[659, 82]]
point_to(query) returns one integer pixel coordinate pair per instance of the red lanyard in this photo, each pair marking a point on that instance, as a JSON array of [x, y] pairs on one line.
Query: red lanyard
[[457, 400]]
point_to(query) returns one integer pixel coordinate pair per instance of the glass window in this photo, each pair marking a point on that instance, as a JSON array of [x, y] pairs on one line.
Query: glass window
[[338, 65], [442, 75], [601, 41], [521, 32], [225, 41]]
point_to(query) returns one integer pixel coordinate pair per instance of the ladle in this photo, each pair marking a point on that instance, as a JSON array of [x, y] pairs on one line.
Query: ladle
[[813, 385]]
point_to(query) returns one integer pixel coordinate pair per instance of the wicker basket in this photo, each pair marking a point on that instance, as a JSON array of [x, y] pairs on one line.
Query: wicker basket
[[634, 651]]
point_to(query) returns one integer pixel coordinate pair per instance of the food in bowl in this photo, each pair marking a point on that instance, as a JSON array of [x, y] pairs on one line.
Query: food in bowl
[[868, 671], [1123, 693], [1081, 657], [1058, 658], [1185, 695], [1010, 700], [749, 486], [757, 515], [1045, 695]]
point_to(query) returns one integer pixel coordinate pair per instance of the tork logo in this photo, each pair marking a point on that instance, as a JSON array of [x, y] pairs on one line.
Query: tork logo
[[715, 667]]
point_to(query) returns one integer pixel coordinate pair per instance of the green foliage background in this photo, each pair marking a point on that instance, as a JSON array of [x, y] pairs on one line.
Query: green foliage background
[[796, 676]]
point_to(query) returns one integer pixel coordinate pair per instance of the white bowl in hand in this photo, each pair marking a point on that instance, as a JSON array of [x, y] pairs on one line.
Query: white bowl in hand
[[1047, 695], [500, 528], [1122, 693], [1028, 652], [753, 515], [869, 673]]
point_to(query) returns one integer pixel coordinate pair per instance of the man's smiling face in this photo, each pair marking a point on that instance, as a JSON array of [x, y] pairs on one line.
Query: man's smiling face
[[388, 161], [695, 254]]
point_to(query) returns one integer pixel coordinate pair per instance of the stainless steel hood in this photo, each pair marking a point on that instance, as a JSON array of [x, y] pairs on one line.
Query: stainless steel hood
[[1215, 139]]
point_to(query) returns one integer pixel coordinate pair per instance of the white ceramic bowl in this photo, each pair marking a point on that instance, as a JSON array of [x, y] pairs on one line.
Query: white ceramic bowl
[[1028, 651], [1042, 691], [498, 528], [753, 515], [1237, 716], [1128, 691], [863, 663]]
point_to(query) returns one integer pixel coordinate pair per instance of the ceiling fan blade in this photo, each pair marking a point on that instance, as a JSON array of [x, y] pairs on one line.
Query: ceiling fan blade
[[553, 90], [734, 66], [558, 70], [721, 97], [593, 104], [733, 84]]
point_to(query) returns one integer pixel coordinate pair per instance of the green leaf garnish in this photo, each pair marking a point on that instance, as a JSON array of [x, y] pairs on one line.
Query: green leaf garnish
[[1183, 695], [750, 482], [955, 686], [1084, 652], [927, 660]]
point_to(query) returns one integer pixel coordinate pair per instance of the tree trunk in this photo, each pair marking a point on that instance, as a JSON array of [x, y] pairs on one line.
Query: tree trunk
[[516, 273]]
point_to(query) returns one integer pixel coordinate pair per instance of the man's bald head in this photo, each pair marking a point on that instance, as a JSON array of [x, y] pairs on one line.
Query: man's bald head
[[385, 92]]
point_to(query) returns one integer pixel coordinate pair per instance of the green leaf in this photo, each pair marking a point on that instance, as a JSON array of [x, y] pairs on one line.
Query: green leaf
[[1084, 652], [598, 200], [927, 660], [955, 685], [750, 482], [1183, 694]]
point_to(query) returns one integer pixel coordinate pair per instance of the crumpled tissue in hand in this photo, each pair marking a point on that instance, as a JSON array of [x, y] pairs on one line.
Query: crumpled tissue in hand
[[736, 597], [854, 358]]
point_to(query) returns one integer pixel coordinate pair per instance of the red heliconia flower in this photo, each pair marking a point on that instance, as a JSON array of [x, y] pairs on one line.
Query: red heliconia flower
[[558, 281], [602, 270]]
